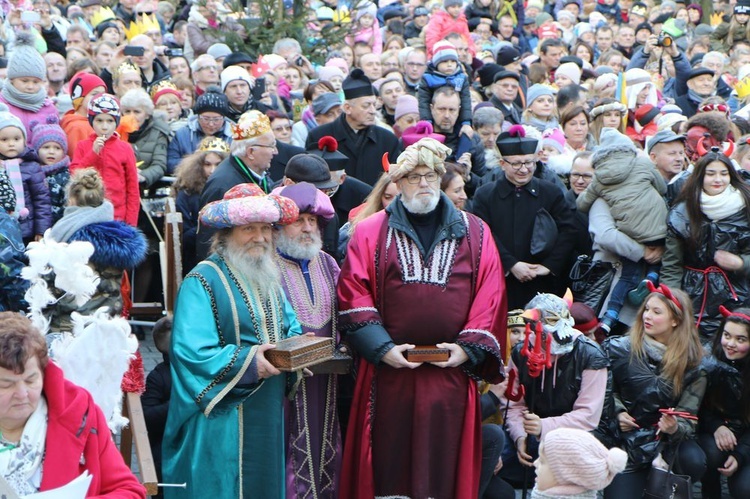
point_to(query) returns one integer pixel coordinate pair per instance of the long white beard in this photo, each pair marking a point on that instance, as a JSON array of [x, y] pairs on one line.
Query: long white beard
[[302, 247], [419, 205], [260, 272]]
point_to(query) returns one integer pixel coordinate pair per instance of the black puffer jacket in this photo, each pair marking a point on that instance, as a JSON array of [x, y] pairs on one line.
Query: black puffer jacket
[[638, 389], [697, 273], [723, 404], [558, 388]]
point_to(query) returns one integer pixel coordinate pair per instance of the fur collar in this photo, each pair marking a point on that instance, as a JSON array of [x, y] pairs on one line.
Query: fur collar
[[116, 244]]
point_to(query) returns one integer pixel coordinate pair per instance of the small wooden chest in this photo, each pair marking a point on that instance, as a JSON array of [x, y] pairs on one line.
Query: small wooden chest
[[341, 363], [427, 353], [298, 352]]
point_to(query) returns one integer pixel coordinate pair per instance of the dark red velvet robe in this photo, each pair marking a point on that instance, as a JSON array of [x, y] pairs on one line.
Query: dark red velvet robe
[[417, 433]]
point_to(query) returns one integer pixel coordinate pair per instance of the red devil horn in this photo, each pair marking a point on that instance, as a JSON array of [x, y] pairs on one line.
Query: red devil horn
[[728, 148], [386, 163], [700, 147], [724, 311], [651, 287]]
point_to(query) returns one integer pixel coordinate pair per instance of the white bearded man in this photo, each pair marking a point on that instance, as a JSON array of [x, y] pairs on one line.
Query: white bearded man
[[309, 277], [224, 435], [420, 272]]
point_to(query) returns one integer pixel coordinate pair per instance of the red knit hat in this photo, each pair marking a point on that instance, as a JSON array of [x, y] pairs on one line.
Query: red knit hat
[[80, 86]]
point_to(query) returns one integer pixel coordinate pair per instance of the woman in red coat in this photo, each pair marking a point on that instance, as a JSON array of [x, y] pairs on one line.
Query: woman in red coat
[[50, 429]]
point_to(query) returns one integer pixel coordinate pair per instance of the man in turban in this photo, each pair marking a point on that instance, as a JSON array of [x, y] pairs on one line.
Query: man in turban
[[224, 435]]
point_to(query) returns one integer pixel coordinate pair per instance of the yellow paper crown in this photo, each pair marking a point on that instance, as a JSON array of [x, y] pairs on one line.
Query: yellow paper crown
[[250, 125], [213, 144], [716, 19], [142, 26], [101, 15], [124, 67], [743, 87], [162, 85]]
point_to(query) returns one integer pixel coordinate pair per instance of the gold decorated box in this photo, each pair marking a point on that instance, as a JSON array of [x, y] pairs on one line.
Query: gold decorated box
[[298, 352]]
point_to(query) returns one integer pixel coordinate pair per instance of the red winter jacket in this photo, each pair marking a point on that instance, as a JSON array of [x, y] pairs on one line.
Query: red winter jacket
[[442, 24], [78, 439], [116, 164]]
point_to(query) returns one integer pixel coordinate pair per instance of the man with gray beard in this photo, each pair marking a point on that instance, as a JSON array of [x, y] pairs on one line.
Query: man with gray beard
[[309, 278], [224, 434], [420, 272]]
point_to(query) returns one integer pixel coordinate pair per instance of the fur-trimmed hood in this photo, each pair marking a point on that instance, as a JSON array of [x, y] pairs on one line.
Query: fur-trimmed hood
[[116, 244]]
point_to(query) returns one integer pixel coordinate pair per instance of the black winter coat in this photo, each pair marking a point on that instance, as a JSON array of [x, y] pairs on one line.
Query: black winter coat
[[708, 286], [638, 389], [511, 214], [364, 149]]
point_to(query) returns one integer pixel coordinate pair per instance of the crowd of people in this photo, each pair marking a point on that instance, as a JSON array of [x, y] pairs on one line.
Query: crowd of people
[[552, 193]]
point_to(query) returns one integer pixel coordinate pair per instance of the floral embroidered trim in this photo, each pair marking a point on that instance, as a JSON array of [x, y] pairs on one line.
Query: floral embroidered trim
[[219, 377], [484, 332], [214, 306], [357, 325]]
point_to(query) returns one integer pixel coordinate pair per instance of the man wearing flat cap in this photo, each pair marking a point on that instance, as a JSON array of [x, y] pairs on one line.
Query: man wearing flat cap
[[700, 84], [532, 224], [359, 138], [224, 434], [420, 272], [309, 278]]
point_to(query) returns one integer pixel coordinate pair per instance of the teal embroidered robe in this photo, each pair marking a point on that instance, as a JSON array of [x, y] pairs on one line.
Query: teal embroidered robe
[[224, 440]]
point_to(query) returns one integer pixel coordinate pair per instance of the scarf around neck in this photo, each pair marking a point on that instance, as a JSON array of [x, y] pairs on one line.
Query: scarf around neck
[[77, 217], [13, 169], [722, 205], [540, 124], [29, 102], [696, 97], [22, 466]]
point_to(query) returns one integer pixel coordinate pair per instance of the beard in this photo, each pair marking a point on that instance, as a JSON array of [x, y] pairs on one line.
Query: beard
[[259, 271], [302, 247], [420, 205]]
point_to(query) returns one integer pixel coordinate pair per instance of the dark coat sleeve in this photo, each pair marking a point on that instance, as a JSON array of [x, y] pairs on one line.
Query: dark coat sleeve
[[465, 115], [39, 198], [54, 41], [155, 401], [563, 215], [424, 98], [682, 70], [482, 207]]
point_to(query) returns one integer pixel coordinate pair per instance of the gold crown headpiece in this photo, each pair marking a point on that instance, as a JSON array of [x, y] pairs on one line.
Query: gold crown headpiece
[[142, 25], [162, 85], [742, 87], [213, 144], [102, 15], [716, 19], [125, 67], [250, 125]]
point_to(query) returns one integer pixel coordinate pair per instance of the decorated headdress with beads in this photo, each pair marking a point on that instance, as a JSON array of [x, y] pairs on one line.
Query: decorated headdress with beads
[[213, 144], [125, 67], [142, 25], [250, 125], [247, 203]]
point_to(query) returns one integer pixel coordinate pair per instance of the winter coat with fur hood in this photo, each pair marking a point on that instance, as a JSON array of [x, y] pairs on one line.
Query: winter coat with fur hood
[[633, 190], [117, 247]]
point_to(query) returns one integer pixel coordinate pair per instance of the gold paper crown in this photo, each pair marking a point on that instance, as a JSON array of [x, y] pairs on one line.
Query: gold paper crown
[[124, 67], [639, 10], [142, 26], [162, 85], [101, 15], [716, 19], [250, 125], [743, 87], [213, 144]]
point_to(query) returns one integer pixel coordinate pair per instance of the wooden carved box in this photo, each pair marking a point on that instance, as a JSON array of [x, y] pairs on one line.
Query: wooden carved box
[[297, 352], [427, 353]]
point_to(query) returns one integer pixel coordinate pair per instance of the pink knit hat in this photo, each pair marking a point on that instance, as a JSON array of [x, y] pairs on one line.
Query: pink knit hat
[[578, 460], [406, 104]]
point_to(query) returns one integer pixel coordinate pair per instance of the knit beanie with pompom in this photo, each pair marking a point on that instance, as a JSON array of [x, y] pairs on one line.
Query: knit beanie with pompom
[[579, 462], [26, 61]]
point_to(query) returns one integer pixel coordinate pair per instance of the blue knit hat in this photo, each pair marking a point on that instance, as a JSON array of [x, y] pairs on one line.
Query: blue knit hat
[[536, 91], [48, 133]]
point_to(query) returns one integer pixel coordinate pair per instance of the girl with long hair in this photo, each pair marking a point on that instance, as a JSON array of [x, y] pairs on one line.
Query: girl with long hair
[[658, 382], [707, 250], [724, 422], [607, 113], [737, 29], [192, 174]]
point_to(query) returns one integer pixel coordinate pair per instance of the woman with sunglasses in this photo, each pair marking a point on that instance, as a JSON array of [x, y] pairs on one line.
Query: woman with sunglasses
[[707, 250], [658, 382]]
